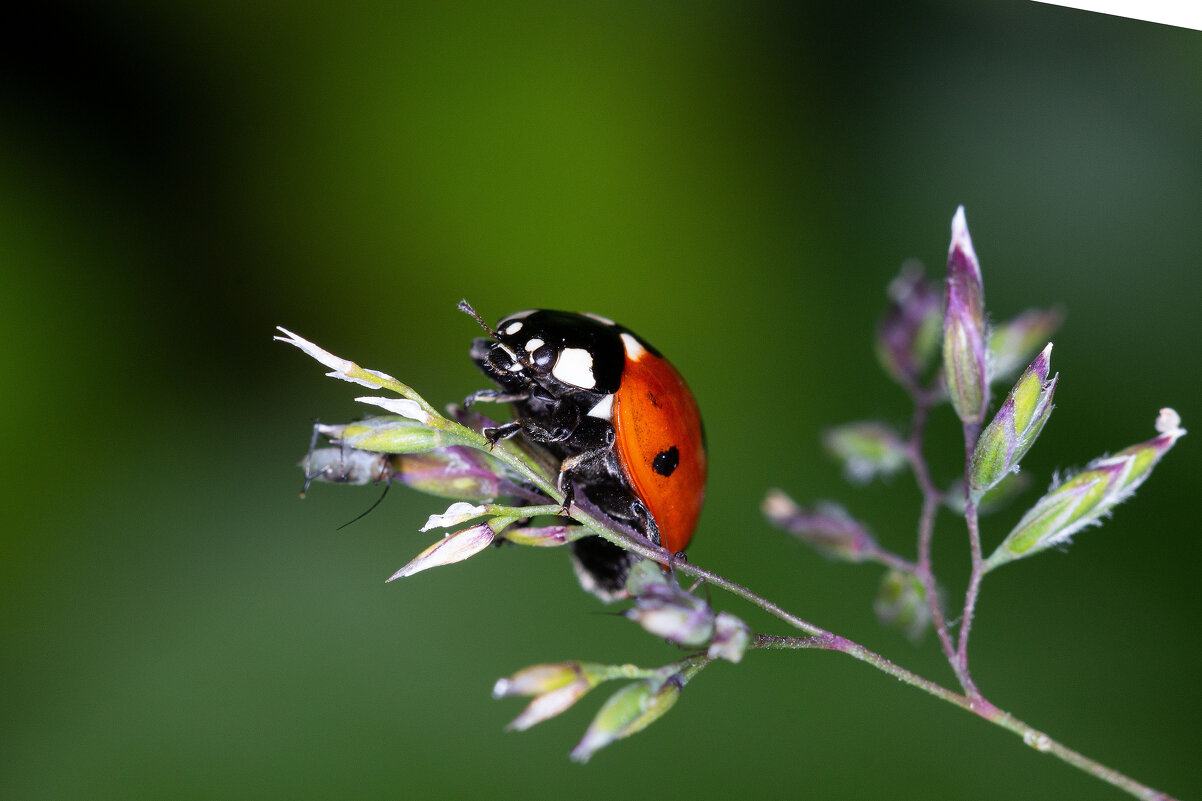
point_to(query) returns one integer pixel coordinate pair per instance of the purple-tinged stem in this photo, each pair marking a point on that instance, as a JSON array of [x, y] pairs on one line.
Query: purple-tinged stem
[[931, 500], [971, 432], [895, 561]]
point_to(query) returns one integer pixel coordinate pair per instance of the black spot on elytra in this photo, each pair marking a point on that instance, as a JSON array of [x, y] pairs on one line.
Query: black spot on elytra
[[654, 400], [665, 462]]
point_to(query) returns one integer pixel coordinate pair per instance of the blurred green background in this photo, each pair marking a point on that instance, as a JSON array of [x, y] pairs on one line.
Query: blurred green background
[[735, 181]]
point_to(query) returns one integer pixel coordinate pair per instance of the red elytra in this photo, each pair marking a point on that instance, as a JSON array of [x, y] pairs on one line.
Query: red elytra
[[661, 444]]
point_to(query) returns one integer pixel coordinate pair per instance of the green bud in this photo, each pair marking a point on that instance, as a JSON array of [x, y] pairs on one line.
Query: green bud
[[644, 575], [1013, 343], [394, 434], [628, 711], [901, 603], [866, 449], [1088, 496], [1014, 428]]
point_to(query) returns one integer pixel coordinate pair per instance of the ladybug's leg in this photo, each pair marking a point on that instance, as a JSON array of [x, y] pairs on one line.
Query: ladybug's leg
[[560, 423], [494, 396], [495, 435], [595, 440]]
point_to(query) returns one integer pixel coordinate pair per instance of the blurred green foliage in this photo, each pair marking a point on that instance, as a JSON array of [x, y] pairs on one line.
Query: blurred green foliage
[[737, 182]]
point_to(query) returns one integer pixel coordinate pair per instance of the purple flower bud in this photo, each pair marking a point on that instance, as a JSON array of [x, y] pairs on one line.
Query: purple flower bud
[[628, 711], [901, 603], [829, 529], [866, 449], [731, 636], [460, 472], [907, 334], [667, 611], [1087, 497], [544, 536], [1008, 437], [964, 326]]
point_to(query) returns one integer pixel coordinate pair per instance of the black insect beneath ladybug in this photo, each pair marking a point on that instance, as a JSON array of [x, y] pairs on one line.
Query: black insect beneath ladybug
[[618, 416]]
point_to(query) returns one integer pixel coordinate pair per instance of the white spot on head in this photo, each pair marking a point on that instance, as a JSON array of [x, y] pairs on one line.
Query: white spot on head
[[599, 318], [512, 328], [534, 345], [634, 351], [575, 366], [604, 408]]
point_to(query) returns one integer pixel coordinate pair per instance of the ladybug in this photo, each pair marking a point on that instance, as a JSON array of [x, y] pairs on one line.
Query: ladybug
[[615, 413]]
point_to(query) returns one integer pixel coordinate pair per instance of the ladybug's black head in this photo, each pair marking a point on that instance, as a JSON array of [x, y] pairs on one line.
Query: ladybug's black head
[[560, 351]]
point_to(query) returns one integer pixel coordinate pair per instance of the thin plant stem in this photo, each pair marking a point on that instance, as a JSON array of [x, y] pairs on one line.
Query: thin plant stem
[[971, 431], [890, 559], [932, 498]]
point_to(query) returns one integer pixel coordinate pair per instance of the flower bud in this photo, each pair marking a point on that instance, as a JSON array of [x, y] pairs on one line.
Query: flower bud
[[539, 679], [1012, 343], [829, 529], [669, 612], [907, 334], [454, 472], [644, 574], [456, 513], [964, 326], [1008, 437], [901, 603], [555, 688], [454, 547], [392, 434], [404, 407], [628, 711], [866, 449], [544, 536], [340, 368], [731, 636], [1086, 497]]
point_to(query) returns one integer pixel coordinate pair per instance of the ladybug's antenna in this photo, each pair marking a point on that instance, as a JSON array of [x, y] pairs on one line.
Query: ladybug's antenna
[[370, 509], [466, 308]]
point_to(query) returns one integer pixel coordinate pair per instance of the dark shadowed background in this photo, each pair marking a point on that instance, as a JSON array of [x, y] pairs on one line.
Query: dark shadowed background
[[735, 181]]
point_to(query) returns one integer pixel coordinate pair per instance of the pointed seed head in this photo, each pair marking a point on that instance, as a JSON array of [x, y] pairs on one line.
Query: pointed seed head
[[1015, 427], [1088, 496], [626, 712], [964, 326]]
